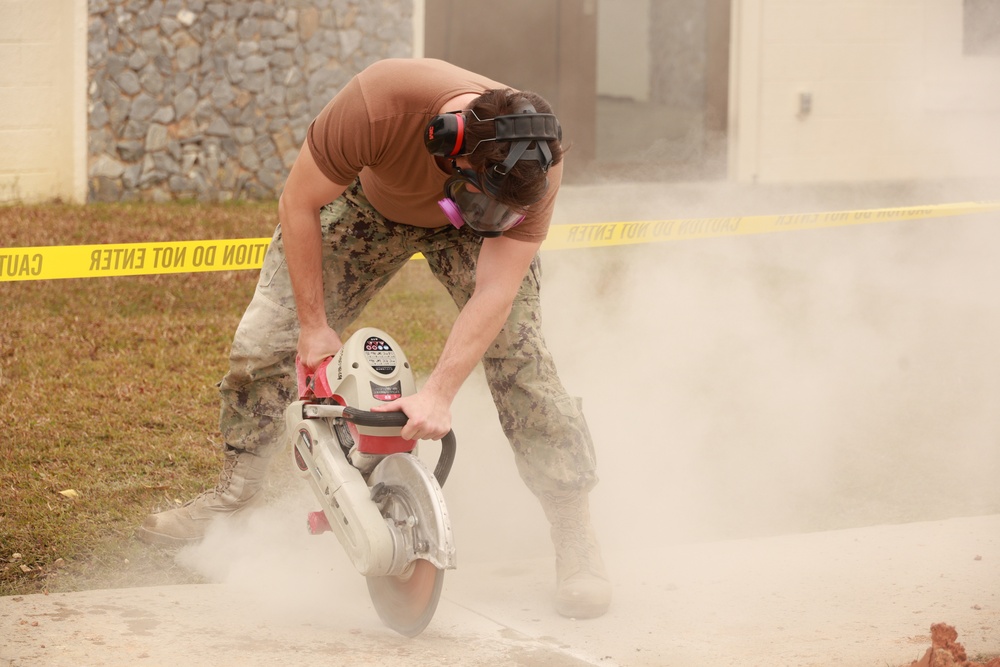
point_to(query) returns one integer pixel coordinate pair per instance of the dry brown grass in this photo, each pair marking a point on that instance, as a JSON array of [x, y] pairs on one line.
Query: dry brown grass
[[107, 387]]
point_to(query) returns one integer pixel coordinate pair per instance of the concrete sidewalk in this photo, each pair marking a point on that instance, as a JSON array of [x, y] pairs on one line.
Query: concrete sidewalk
[[858, 597]]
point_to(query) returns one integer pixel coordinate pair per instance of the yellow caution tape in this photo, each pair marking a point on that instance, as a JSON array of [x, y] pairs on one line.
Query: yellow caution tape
[[601, 234], [134, 259], [130, 259]]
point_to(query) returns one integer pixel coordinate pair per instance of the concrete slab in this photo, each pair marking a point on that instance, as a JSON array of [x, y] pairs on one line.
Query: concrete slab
[[858, 597]]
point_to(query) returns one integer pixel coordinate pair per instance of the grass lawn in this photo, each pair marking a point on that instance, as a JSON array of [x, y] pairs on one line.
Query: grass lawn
[[108, 405]]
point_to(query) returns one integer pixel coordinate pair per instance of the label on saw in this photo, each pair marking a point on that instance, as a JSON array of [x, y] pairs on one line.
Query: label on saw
[[390, 393], [380, 356]]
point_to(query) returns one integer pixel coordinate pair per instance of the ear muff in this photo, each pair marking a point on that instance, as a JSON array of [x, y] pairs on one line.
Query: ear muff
[[445, 135]]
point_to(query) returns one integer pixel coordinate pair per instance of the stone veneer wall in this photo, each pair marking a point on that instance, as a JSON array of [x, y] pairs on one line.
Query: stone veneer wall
[[191, 99]]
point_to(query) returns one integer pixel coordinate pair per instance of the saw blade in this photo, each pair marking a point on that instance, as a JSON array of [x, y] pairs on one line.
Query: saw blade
[[408, 496], [406, 603]]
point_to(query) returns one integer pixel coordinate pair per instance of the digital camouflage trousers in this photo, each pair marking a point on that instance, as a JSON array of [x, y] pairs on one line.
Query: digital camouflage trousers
[[361, 252]]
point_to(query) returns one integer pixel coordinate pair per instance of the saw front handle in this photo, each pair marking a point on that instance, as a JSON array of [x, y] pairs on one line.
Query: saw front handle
[[399, 419], [387, 420]]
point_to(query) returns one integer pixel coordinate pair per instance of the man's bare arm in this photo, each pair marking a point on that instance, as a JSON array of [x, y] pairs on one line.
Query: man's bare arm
[[502, 265], [306, 191]]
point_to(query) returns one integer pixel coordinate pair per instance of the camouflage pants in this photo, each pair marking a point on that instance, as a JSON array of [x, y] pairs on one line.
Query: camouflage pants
[[361, 252]]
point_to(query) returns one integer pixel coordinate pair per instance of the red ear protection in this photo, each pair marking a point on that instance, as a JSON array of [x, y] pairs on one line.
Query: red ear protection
[[445, 135]]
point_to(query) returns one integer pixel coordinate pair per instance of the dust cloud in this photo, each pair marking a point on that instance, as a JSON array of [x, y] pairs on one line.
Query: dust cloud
[[269, 555], [758, 385], [735, 388], [783, 383]]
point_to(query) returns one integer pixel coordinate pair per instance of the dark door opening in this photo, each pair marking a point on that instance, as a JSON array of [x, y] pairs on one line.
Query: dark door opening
[[640, 86]]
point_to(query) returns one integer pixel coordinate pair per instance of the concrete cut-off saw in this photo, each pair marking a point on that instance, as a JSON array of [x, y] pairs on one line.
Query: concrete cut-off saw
[[380, 500]]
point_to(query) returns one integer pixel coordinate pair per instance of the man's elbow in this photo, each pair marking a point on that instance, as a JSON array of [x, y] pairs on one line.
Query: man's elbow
[[498, 301], [284, 204]]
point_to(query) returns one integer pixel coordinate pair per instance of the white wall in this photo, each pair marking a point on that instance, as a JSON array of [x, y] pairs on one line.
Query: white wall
[[419, 14], [43, 112], [892, 95]]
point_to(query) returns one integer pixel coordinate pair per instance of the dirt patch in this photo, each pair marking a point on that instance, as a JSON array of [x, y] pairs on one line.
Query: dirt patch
[[945, 651]]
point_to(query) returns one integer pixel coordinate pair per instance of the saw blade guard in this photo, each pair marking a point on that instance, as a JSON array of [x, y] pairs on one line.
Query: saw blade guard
[[410, 498]]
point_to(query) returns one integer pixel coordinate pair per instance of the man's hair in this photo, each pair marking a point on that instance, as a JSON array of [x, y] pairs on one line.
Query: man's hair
[[526, 182]]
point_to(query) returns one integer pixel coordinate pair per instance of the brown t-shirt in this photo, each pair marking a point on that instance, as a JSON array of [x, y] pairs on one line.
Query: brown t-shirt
[[373, 128]]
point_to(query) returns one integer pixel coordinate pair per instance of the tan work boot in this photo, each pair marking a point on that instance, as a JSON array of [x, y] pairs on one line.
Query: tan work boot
[[238, 488], [583, 589]]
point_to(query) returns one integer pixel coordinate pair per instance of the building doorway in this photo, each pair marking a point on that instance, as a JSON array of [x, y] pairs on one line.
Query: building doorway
[[641, 86]]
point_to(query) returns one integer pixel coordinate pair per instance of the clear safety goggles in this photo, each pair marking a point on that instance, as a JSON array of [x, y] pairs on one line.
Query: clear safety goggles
[[466, 203]]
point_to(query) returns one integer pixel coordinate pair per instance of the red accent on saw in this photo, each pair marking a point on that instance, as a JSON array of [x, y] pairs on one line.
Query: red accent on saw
[[314, 383], [383, 444], [318, 523], [378, 444]]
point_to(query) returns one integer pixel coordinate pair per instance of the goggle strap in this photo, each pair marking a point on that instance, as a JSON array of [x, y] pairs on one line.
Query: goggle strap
[[513, 155], [533, 126], [519, 151], [526, 126]]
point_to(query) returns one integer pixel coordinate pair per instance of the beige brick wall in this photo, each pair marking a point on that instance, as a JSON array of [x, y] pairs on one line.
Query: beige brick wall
[[893, 96], [42, 93]]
